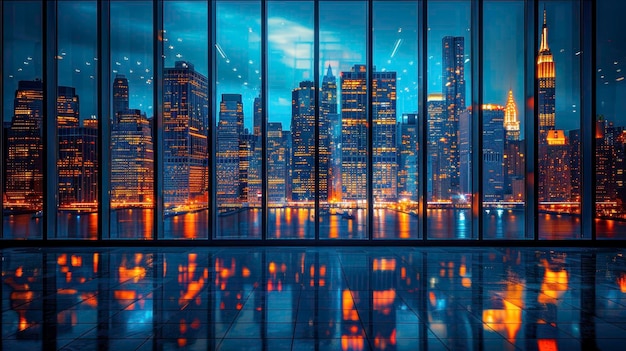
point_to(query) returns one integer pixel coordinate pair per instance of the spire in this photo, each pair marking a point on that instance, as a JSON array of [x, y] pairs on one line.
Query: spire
[[511, 123], [544, 33], [329, 72]]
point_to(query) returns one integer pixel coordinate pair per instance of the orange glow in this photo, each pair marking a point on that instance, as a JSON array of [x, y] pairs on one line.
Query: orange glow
[[245, 272], [23, 322], [182, 326], [67, 291], [96, 259], [466, 282], [137, 273], [272, 268], [508, 319], [283, 268], [125, 294], [89, 301], [621, 281], [68, 277], [323, 270], [547, 345], [312, 271], [195, 324], [77, 261], [348, 311], [554, 285], [62, 260], [352, 342], [19, 272], [224, 273], [384, 264], [138, 258], [182, 342], [403, 273], [383, 300], [462, 270]]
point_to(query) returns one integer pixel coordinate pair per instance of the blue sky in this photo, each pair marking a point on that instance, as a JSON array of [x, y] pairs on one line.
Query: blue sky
[[290, 45]]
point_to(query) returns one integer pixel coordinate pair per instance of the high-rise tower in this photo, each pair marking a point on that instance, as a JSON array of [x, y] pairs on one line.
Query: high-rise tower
[[546, 79], [185, 123], [453, 83], [328, 139], [120, 94], [511, 123], [229, 130], [303, 142]]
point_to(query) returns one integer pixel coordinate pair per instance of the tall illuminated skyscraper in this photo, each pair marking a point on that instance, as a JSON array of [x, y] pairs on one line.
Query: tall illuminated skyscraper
[[303, 142], [554, 175], [453, 75], [513, 153], [511, 122], [493, 152], [185, 123], [229, 130], [354, 133], [435, 106], [23, 189], [384, 144], [546, 80], [132, 160], [408, 156], [254, 170], [329, 176], [276, 164]]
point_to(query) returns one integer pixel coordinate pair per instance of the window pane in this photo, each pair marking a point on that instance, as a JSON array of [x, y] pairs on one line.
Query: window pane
[[449, 128], [185, 120], [291, 120], [558, 99], [503, 151], [238, 108], [395, 120], [132, 150], [610, 150], [343, 53], [23, 114], [77, 120]]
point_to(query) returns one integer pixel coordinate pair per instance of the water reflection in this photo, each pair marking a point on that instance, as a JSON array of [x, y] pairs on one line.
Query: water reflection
[[348, 299]]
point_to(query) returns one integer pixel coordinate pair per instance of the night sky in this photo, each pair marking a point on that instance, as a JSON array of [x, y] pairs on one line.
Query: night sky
[[290, 45]]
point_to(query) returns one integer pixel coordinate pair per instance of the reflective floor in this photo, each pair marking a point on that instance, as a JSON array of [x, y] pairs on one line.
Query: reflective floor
[[313, 299]]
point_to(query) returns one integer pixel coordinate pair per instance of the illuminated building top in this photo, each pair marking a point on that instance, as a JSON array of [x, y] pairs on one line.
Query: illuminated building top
[[511, 122], [546, 79]]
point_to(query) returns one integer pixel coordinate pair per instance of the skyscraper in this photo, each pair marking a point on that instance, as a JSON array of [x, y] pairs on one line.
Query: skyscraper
[[493, 152], [435, 106], [511, 122], [303, 142], [408, 156], [328, 139], [513, 153], [229, 130], [354, 133], [453, 83], [276, 164], [385, 158], [120, 94], [254, 170], [185, 123], [24, 165], [554, 175], [132, 160]]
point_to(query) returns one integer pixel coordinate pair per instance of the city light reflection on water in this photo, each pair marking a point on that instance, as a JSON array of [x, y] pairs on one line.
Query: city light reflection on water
[[299, 223]]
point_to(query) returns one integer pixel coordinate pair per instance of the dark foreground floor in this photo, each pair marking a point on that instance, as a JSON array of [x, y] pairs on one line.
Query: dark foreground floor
[[314, 299]]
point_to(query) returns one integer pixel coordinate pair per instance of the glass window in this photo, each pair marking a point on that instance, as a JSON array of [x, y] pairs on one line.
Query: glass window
[[77, 120], [449, 121], [185, 120], [343, 62], [23, 114], [237, 178], [610, 160], [395, 120], [503, 154], [132, 117], [558, 100], [291, 142]]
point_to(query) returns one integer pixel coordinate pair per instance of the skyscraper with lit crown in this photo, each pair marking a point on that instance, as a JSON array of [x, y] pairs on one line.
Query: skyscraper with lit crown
[[511, 122], [546, 80]]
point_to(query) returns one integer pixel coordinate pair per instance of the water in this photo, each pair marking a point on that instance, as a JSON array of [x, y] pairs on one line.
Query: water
[[292, 223]]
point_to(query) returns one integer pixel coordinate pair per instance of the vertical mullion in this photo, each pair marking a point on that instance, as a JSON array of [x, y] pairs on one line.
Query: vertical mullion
[[316, 75], [157, 119], [211, 15], [422, 125], [587, 117], [2, 146], [370, 119], [264, 185], [477, 118], [104, 121], [531, 9], [49, 119]]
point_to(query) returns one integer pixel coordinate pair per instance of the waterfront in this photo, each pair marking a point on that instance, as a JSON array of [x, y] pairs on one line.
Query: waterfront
[[299, 223]]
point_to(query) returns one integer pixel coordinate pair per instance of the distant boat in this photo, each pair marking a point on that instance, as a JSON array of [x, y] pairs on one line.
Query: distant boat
[[38, 214]]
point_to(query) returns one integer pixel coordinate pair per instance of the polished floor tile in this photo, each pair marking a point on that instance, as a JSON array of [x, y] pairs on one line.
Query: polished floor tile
[[301, 299]]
